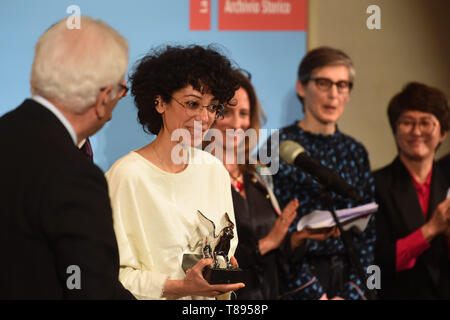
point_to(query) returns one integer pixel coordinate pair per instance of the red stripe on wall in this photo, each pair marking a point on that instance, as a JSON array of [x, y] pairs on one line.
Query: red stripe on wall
[[200, 15]]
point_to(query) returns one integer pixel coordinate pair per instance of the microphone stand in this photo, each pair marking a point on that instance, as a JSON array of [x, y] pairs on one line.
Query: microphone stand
[[348, 244]]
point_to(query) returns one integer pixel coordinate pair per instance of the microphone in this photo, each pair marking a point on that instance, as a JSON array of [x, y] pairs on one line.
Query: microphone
[[295, 155]]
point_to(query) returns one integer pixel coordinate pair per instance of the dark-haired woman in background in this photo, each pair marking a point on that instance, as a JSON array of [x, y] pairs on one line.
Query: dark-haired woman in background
[[413, 220], [261, 225], [157, 190]]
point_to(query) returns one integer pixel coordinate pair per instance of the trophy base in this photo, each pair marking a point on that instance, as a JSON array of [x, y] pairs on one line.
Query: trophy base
[[223, 276]]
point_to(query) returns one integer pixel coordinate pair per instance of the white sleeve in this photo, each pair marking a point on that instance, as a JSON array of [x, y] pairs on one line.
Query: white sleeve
[[139, 280]]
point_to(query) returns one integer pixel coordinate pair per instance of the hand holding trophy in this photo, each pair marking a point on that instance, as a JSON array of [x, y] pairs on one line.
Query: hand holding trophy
[[217, 247]]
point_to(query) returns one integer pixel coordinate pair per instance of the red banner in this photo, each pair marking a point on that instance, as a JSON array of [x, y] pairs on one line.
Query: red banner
[[200, 15], [264, 15]]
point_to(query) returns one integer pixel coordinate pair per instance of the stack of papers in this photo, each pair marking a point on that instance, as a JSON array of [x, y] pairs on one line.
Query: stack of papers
[[354, 217]]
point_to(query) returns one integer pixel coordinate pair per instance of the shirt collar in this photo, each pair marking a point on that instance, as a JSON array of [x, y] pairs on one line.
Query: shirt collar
[[423, 186], [47, 104]]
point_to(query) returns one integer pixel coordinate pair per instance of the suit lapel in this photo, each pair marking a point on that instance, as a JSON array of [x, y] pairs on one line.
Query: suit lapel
[[405, 198], [438, 189]]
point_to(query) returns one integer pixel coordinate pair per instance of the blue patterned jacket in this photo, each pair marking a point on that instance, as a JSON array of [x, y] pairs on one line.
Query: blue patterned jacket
[[349, 158]]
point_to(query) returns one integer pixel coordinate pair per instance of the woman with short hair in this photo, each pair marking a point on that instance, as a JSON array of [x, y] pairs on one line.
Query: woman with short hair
[[413, 220], [320, 266]]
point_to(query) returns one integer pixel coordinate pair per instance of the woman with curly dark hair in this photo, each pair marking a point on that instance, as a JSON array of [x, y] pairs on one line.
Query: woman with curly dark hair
[[157, 191]]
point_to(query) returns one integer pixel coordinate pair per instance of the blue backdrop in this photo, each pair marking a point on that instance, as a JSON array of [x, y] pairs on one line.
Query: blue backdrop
[[271, 57]]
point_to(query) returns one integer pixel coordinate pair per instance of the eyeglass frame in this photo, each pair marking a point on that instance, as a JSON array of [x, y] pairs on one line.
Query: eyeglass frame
[[418, 123], [331, 83], [125, 88], [122, 87], [218, 113]]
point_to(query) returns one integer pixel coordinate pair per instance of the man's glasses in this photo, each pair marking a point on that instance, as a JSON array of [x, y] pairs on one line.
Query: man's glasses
[[407, 125], [194, 108], [123, 88], [324, 84]]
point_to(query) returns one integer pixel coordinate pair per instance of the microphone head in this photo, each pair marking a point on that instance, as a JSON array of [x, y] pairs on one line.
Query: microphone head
[[294, 154], [289, 150]]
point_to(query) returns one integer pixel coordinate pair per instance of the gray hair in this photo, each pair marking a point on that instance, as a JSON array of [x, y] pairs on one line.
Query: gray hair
[[71, 65]]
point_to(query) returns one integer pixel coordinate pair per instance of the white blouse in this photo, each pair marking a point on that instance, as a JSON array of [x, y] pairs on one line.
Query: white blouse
[[156, 220]]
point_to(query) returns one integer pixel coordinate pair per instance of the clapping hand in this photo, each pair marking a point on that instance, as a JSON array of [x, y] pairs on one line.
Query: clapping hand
[[280, 228]]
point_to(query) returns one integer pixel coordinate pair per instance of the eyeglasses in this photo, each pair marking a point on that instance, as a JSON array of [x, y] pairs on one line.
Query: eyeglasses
[[194, 107], [407, 125], [125, 89], [122, 87], [324, 84]]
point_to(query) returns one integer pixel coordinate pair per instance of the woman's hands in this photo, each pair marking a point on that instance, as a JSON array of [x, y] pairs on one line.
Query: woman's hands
[[298, 237], [439, 222], [195, 285], [325, 297], [280, 228]]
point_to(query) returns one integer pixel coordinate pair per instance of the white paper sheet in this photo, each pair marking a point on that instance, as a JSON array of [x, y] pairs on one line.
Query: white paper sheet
[[357, 216]]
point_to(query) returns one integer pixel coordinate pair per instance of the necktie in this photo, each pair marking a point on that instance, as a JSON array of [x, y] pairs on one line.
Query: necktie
[[87, 150]]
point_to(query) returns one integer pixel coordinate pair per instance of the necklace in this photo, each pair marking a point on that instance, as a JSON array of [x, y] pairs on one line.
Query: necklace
[[157, 155], [167, 166], [237, 182]]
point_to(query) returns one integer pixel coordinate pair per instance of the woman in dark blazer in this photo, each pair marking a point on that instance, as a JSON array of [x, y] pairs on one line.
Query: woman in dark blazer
[[413, 221], [261, 225]]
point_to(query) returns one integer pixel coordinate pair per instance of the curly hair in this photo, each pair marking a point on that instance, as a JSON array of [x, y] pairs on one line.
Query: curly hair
[[167, 69], [417, 96]]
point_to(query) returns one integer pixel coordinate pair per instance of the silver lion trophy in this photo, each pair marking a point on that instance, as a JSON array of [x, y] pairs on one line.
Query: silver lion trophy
[[216, 247]]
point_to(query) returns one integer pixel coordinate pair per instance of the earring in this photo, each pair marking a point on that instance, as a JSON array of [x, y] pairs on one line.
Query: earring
[[156, 103]]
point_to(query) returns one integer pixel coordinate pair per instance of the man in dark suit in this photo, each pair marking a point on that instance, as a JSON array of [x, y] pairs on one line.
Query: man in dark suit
[[413, 220], [56, 231]]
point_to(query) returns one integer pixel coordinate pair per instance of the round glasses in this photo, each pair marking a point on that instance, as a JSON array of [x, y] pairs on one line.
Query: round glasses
[[325, 84], [407, 125], [193, 107]]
